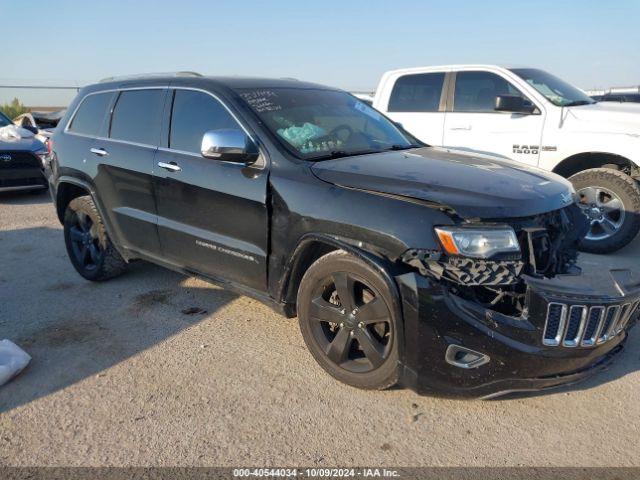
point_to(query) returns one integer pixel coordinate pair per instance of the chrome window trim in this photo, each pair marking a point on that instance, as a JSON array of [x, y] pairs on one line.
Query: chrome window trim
[[575, 341], [109, 90], [261, 163], [561, 325]]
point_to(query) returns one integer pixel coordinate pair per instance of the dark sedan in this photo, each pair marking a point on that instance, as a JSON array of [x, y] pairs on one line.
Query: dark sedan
[[21, 159]]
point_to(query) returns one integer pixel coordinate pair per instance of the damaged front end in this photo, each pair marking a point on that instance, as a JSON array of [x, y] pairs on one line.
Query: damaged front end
[[514, 321], [548, 247]]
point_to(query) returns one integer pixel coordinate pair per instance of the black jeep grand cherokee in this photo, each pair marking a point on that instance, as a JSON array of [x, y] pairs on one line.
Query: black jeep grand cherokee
[[442, 271]]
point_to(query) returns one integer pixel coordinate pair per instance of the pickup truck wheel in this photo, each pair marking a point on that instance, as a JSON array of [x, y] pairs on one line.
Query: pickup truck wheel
[[611, 201], [347, 322], [90, 250]]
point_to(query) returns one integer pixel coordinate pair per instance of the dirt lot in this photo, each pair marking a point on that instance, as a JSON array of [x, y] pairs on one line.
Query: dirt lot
[[122, 376]]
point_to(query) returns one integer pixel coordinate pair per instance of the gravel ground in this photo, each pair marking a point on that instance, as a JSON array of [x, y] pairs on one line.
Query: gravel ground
[[122, 376]]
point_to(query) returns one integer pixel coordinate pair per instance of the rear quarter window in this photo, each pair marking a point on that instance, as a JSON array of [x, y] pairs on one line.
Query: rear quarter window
[[91, 114], [417, 93], [137, 116]]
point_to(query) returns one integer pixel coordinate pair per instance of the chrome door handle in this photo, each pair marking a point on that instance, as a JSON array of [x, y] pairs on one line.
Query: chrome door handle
[[172, 167], [101, 152], [461, 127]]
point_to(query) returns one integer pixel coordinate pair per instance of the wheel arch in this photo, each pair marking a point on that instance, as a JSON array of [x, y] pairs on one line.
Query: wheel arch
[[69, 188], [311, 247], [587, 160]]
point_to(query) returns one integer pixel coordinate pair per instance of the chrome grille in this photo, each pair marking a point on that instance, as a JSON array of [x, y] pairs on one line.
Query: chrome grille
[[581, 325]]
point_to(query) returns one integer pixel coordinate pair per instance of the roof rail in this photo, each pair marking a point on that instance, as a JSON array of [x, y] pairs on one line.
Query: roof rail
[[147, 75]]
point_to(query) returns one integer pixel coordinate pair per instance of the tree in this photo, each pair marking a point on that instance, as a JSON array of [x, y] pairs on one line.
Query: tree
[[13, 109]]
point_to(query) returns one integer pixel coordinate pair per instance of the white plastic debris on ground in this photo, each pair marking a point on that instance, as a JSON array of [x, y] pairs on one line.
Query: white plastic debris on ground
[[14, 132], [12, 360]]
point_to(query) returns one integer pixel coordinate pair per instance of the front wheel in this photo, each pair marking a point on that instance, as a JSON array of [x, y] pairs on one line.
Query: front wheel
[[347, 321], [611, 201]]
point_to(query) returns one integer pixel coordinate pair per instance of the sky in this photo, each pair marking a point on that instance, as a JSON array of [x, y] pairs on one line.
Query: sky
[[347, 44]]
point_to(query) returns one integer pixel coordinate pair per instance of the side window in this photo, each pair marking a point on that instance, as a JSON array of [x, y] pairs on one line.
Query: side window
[[417, 93], [477, 91], [89, 117], [195, 113], [137, 116]]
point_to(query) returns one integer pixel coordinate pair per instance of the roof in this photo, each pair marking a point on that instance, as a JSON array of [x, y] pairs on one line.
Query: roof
[[452, 68], [231, 82]]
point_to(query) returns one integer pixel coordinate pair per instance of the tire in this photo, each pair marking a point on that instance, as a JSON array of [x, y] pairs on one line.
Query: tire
[[91, 252], [358, 349], [598, 188]]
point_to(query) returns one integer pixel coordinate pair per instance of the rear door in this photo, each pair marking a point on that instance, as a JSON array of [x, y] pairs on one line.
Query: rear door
[[473, 123], [212, 215], [124, 174], [417, 102]]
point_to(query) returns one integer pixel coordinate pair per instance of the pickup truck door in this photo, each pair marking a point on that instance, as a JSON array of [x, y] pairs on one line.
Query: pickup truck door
[[417, 102], [473, 123], [212, 215]]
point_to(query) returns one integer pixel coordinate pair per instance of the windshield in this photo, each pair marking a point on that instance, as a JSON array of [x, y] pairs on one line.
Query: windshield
[[557, 91], [4, 121], [316, 124]]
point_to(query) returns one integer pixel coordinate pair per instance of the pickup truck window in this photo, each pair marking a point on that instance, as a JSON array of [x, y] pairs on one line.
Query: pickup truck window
[[195, 113], [316, 124], [417, 93], [557, 91], [89, 117], [477, 91], [137, 116]]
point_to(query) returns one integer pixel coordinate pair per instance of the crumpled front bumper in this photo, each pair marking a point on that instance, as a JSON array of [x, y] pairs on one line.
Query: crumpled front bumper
[[519, 357]]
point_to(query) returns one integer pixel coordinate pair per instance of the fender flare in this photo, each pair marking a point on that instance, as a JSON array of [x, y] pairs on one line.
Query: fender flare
[[374, 261]]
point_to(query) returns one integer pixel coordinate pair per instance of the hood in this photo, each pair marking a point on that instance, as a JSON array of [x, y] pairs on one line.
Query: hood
[[475, 186], [15, 138], [29, 144], [605, 117], [23, 145]]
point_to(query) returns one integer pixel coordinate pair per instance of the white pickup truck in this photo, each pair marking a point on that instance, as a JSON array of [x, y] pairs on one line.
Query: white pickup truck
[[530, 116]]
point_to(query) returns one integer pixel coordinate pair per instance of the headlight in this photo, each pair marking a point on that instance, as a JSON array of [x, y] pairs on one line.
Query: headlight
[[476, 242]]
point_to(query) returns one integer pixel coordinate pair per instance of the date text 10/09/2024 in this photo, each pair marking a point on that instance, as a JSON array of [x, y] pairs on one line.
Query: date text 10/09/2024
[[316, 472]]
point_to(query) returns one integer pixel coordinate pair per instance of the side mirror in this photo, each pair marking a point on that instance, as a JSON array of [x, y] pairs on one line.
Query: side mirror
[[514, 104], [229, 145]]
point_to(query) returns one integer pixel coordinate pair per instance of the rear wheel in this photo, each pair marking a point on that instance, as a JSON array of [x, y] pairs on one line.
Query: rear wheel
[[88, 246], [611, 201], [347, 322]]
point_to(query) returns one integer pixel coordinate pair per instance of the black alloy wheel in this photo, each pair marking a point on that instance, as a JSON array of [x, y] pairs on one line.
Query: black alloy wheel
[[89, 248], [351, 323], [85, 243], [347, 322]]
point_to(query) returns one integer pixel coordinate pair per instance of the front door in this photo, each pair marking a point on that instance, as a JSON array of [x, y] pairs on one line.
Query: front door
[[474, 123], [212, 215]]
